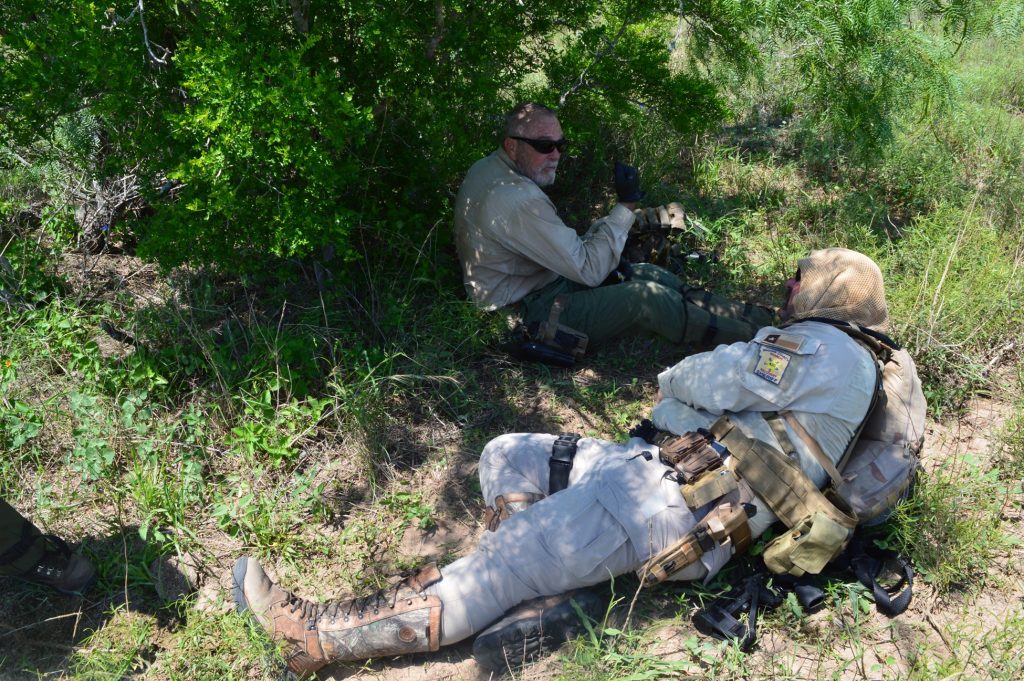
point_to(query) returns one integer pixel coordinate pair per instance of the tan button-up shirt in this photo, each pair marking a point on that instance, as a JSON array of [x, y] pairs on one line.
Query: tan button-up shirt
[[511, 241]]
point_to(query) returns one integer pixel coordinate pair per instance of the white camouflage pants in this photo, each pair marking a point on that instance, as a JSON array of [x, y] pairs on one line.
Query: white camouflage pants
[[618, 510]]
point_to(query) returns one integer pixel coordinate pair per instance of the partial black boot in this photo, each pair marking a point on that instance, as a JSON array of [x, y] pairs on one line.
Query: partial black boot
[[60, 569], [536, 627]]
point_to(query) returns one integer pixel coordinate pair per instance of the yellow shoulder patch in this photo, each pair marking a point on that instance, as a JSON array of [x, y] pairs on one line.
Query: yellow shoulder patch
[[772, 365]]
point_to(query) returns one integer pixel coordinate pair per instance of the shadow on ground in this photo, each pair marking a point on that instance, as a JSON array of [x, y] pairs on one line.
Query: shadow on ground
[[41, 630]]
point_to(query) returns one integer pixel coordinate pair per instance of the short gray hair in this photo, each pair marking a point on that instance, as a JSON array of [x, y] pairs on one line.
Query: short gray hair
[[518, 118]]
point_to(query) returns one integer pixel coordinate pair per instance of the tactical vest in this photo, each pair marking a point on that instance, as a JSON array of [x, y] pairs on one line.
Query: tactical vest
[[722, 465]]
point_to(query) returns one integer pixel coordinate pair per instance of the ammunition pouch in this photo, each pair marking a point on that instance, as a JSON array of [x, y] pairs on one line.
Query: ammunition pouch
[[808, 547], [820, 526], [697, 458], [549, 342], [726, 523]]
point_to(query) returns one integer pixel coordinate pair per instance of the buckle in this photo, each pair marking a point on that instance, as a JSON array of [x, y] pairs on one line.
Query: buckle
[[704, 539], [563, 450], [720, 618]]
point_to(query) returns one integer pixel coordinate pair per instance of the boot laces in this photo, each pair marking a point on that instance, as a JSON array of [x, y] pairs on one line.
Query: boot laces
[[307, 609], [55, 557], [380, 599]]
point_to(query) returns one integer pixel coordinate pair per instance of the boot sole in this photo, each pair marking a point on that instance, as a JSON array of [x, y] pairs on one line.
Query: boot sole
[[509, 647], [238, 579]]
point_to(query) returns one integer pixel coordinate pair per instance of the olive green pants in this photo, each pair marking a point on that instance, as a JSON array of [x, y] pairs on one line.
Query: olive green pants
[[21, 544], [654, 301]]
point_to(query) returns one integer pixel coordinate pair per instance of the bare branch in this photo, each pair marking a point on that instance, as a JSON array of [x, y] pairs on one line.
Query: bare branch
[[679, 28], [300, 15], [115, 19], [435, 40], [18, 158]]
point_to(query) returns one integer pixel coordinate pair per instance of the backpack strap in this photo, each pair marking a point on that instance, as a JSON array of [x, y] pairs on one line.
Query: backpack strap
[[875, 338], [775, 419], [880, 346]]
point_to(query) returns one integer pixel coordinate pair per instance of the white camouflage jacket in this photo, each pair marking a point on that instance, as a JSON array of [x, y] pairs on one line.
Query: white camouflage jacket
[[810, 368]]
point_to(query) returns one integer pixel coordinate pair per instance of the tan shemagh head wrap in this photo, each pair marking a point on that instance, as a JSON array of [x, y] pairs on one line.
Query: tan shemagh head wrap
[[837, 283]]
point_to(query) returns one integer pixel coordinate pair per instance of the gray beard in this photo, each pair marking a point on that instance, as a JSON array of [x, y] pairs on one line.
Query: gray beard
[[545, 180]]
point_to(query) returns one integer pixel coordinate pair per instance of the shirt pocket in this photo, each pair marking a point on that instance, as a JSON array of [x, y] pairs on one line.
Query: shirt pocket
[[773, 372]]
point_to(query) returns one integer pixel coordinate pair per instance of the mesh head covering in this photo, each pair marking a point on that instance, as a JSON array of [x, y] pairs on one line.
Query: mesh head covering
[[836, 283]]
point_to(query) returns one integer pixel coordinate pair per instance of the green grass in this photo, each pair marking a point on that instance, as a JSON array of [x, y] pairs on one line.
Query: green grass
[[316, 425], [122, 649], [951, 527]]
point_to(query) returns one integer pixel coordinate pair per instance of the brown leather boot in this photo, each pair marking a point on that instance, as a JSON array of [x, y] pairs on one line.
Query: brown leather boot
[[398, 620]]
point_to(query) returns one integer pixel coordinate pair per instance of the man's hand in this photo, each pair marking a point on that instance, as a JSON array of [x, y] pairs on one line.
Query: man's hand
[[627, 183]]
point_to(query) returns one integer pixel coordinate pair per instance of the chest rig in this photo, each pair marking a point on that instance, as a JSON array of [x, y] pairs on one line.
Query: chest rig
[[722, 468], [819, 525]]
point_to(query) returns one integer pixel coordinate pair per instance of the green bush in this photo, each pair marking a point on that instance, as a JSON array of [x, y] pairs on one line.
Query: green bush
[[255, 127]]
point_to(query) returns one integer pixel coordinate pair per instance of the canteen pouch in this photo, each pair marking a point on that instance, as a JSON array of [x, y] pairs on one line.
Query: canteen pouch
[[807, 547]]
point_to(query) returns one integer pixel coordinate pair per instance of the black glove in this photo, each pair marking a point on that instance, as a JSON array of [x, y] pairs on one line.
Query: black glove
[[627, 183], [623, 272]]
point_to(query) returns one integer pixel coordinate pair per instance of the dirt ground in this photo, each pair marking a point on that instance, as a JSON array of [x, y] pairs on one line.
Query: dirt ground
[[882, 648], [37, 628]]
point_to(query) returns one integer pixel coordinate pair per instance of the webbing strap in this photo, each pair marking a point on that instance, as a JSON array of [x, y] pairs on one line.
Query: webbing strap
[[711, 332], [548, 332], [686, 320], [812, 445], [563, 451], [879, 346], [776, 479], [890, 601], [772, 418], [876, 337], [879, 390], [723, 617]]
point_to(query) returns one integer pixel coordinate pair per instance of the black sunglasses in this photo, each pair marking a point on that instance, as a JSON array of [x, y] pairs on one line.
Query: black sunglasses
[[544, 146]]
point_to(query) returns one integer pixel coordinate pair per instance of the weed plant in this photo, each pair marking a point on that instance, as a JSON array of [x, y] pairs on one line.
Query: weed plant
[[318, 412], [951, 527]]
